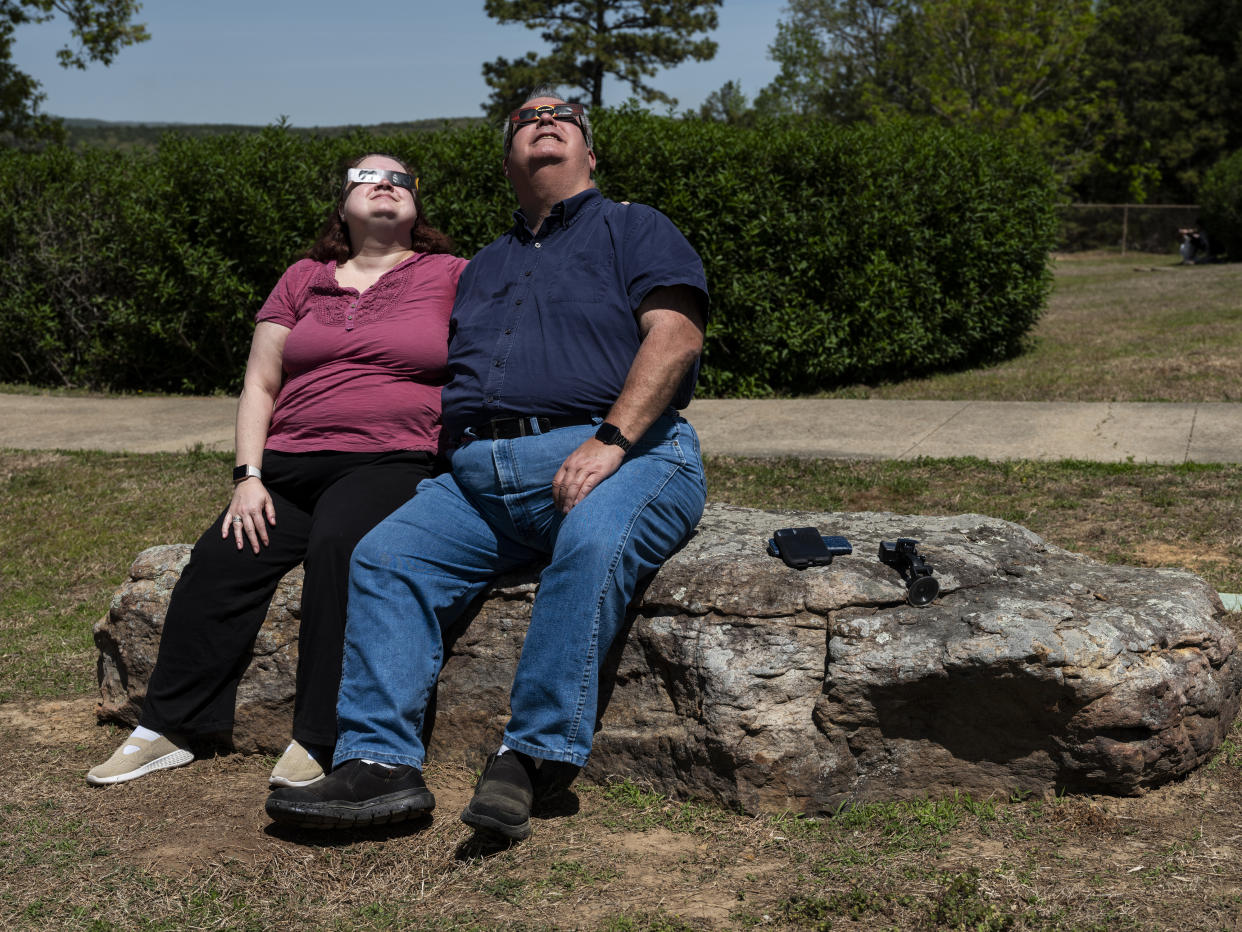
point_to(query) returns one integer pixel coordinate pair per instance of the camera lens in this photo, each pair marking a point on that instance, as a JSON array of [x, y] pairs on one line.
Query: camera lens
[[923, 591]]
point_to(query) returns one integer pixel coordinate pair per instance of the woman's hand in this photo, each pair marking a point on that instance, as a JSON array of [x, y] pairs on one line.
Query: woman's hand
[[249, 514]]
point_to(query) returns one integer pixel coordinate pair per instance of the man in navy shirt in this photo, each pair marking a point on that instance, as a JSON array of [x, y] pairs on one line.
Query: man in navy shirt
[[574, 339]]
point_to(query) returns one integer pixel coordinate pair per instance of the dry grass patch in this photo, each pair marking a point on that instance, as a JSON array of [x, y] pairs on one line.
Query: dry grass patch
[[191, 848]]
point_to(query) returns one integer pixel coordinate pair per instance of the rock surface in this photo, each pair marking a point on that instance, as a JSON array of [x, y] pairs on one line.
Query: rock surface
[[771, 689]]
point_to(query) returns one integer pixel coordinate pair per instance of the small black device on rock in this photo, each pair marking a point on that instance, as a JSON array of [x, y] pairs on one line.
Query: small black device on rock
[[801, 547], [903, 556]]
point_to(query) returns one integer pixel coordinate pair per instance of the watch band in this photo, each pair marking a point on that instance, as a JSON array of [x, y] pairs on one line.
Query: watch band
[[245, 471], [611, 434]]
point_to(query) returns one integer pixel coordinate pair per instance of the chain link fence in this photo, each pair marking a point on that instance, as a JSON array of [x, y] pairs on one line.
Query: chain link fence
[[1127, 227]]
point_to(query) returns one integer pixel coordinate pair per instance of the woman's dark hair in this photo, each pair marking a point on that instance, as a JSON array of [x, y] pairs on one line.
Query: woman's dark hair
[[333, 240]]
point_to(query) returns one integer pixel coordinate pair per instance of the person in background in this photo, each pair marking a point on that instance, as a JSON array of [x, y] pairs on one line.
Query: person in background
[[337, 424], [1195, 248]]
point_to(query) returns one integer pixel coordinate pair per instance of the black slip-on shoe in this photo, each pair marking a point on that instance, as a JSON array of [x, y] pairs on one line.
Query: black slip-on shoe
[[354, 794], [503, 796]]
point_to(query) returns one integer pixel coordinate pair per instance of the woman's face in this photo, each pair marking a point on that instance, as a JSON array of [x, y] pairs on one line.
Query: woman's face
[[380, 202]]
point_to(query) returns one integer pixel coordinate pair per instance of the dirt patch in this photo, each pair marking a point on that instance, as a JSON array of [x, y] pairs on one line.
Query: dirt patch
[[1167, 553], [51, 723]]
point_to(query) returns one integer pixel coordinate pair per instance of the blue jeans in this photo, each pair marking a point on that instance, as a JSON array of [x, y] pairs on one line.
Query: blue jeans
[[415, 574]]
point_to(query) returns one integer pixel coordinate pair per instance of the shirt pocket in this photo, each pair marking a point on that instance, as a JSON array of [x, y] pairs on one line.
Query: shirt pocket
[[582, 278]]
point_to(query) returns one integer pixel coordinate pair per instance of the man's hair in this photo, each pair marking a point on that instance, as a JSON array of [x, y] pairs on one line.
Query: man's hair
[[548, 90]]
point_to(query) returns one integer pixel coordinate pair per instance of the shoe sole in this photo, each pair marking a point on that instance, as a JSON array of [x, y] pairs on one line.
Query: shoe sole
[[494, 826], [382, 810], [293, 784], [178, 758]]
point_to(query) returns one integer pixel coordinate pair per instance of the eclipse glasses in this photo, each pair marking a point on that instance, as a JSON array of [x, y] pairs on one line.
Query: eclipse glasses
[[376, 175], [524, 115]]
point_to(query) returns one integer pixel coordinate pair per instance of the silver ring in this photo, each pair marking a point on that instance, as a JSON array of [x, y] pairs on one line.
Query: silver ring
[[237, 520]]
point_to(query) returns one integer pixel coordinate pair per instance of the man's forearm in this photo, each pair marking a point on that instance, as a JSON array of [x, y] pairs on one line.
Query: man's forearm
[[668, 351], [672, 326]]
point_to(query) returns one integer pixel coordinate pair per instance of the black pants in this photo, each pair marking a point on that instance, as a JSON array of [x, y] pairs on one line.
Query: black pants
[[325, 503]]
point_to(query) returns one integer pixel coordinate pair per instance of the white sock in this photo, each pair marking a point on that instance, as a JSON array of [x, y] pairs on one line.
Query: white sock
[[142, 734], [504, 749], [381, 763]]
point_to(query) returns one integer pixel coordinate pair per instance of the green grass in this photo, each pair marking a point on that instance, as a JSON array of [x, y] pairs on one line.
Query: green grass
[[74, 523], [633, 808], [1117, 328]]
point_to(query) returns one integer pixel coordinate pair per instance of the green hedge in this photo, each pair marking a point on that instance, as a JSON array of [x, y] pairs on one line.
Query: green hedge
[[1220, 202], [834, 255]]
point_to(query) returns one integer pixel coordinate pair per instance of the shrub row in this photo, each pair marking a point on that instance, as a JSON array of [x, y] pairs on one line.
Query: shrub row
[[1220, 196], [834, 255]]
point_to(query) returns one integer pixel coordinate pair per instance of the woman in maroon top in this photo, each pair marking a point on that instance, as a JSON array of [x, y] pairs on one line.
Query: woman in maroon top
[[338, 421]]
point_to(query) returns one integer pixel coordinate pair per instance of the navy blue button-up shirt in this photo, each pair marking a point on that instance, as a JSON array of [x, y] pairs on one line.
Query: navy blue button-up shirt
[[545, 324]]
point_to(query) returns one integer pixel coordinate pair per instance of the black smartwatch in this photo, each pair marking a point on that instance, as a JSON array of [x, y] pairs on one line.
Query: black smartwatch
[[245, 471], [612, 435]]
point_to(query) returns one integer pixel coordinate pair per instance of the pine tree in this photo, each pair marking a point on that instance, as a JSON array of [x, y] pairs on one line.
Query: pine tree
[[628, 39]]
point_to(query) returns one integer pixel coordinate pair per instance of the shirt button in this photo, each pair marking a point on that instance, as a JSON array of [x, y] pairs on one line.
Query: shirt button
[[528, 274], [509, 331], [519, 301], [497, 363], [538, 245]]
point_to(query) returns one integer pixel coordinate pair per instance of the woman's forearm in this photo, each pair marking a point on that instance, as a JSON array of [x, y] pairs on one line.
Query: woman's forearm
[[254, 417]]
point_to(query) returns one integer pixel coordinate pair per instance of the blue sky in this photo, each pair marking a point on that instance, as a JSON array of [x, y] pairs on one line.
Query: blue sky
[[325, 64]]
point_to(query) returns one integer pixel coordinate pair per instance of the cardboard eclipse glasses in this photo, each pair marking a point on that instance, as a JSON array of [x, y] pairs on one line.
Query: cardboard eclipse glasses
[[375, 175]]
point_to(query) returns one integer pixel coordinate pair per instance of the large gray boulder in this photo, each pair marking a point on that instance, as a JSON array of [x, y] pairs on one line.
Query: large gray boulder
[[771, 689]]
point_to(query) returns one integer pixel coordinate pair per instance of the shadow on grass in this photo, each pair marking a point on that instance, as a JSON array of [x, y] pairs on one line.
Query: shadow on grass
[[341, 837]]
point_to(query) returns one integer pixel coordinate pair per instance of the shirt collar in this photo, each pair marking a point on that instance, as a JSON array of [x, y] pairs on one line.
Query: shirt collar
[[563, 214]]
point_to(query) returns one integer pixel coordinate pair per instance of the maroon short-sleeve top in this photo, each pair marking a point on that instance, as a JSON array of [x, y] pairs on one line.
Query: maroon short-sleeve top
[[362, 372]]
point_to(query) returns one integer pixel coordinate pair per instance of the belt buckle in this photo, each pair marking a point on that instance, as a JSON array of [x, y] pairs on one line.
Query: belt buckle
[[496, 427]]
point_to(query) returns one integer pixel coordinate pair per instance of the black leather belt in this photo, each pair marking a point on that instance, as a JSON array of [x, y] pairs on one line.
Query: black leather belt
[[506, 428]]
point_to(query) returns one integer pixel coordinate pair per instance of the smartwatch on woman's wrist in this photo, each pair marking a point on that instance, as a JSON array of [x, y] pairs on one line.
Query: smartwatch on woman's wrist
[[244, 472]]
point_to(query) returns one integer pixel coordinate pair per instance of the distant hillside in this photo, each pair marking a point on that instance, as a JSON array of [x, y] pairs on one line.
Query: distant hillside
[[128, 135]]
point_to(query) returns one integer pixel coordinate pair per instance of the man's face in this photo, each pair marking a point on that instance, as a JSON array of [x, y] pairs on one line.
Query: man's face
[[548, 141]]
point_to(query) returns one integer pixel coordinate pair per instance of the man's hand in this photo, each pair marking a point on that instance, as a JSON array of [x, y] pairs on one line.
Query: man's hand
[[583, 470]]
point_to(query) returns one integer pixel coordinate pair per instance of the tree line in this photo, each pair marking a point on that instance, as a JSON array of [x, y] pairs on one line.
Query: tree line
[[1130, 100]]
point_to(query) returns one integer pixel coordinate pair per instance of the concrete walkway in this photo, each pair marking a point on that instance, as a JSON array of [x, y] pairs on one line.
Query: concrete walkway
[[1144, 433]]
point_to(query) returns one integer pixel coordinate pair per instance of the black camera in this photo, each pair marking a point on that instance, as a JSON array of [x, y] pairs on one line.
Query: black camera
[[903, 556]]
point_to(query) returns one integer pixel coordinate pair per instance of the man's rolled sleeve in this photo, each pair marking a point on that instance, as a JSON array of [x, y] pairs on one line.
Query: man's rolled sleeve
[[657, 255]]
